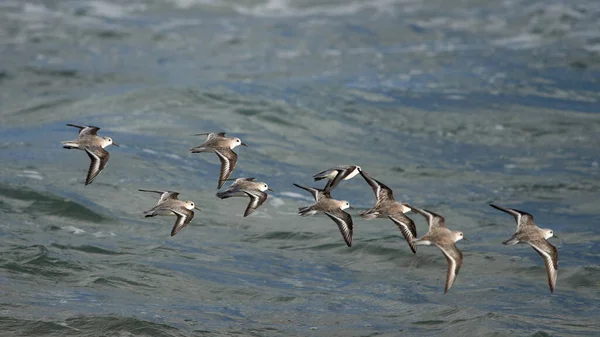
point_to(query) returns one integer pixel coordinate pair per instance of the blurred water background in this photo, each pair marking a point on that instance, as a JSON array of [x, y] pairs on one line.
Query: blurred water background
[[451, 103]]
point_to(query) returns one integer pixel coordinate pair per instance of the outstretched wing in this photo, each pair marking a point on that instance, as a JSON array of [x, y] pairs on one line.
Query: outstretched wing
[[342, 173], [434, 220], [86, 130], [257, 198], [315, 192], [98, 160], [549, 254], [184, 216], [214, 135], [382, 192], [244, 179], [228, 161], [523, 219], [455, 260], [344, 222], [164, 195], [407, 228]]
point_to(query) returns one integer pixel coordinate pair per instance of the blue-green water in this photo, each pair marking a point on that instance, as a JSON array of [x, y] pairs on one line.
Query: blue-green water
[[453, 104]]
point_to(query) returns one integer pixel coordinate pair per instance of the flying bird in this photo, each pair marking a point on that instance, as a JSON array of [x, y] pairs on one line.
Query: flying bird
[[387, 207], [445, 240], [334, 210], [89, 141], [336, 174], [247, 187], [223, 147], [169, 204], [529, 232]]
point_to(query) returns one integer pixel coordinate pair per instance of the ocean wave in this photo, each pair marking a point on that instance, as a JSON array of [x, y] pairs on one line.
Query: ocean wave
[[38, 203]]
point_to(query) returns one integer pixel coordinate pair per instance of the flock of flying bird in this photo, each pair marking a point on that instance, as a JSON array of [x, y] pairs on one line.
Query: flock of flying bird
[[385, 207]]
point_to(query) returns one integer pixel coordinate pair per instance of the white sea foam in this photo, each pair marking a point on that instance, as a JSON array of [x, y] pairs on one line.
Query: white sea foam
[[191, 3], [284, 8], [172, 155], [521, 41], [112, 10], [31, 175], [73, 229], [296, 195], [276, 202], [103, 234], [149, 151]]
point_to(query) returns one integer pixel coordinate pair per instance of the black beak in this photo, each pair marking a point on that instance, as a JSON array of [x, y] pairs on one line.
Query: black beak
[[270, 189], [115, 144], [197, 208], [244, 144]]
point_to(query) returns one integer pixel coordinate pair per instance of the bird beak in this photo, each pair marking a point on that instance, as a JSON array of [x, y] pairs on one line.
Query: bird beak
[[465, 238], [270, 189], [201, 134], [350, 207], [244, 144], [115, 144], [197, 208], [555, 236]]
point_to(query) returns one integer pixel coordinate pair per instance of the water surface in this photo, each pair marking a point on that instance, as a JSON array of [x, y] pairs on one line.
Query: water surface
[[453, 104]]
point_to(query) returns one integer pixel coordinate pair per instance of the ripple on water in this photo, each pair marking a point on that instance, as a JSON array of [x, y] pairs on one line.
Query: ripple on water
[[38, 203], [37, 261], [583, 277]]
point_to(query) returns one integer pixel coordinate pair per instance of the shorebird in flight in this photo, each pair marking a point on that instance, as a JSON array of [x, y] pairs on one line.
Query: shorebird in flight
[[89, 141]]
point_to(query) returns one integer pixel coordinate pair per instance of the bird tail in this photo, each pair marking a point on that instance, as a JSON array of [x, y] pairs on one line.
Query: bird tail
[[68, 144], [150, 213], [420, 242], [369, 215], [306, 211], [511, 241], [198, 149], [224, 194]]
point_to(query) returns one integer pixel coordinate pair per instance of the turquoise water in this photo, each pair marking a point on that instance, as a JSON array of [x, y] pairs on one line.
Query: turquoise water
[[453, 104]]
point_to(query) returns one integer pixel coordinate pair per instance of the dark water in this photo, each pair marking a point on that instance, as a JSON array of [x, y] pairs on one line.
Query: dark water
[[453, 104]]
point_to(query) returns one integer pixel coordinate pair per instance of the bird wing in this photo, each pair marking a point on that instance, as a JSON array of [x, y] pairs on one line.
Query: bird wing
[[523, 219], [257, 198], [342, 173], [164, 195], [550, 255], [213, 135], [407, 228], [434, 220], [315, 192], [455, 260], [86, 130], [233, 191], [344, 222], [228, 160], [245, 179], [382, 192], [98, 160], [184, 216]]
